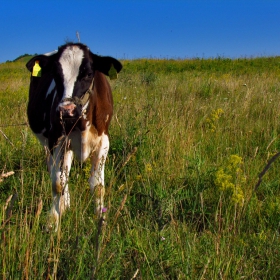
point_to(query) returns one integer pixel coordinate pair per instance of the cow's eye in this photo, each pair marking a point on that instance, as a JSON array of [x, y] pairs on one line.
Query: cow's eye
[[87, 76]]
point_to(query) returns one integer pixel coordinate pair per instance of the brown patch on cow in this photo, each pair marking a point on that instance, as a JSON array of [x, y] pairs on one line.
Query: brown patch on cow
[[102, 109], [93, 131], [57, 188]]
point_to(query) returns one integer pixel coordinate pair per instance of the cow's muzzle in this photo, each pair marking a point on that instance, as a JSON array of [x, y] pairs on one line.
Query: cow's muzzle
[[68, 109], [75, 106]]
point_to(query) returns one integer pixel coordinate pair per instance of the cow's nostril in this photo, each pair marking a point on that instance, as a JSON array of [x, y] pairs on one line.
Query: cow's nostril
[[67, 109]]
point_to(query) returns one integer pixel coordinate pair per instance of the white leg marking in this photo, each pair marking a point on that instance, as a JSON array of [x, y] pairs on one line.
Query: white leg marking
[[59, 175], [97, 173]]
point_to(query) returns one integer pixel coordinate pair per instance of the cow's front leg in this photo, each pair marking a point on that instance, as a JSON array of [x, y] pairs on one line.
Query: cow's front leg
[[96, 180], [60, 169]]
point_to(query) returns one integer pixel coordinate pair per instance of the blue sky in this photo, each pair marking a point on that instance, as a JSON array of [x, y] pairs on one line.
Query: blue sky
[[136, 29]]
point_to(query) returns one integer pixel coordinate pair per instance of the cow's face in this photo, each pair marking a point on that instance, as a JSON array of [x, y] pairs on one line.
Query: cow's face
[[73, 75], [72, 68]]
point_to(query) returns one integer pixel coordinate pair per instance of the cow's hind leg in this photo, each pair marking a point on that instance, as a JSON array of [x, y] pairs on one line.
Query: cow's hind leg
[[60, 169], [96, 180]]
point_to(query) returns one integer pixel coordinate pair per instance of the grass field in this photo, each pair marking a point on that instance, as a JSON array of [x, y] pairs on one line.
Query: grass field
[[189, 139]]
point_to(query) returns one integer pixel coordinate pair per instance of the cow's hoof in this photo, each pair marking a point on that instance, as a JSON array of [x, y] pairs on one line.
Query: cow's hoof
[[51, 228], [52, 224]]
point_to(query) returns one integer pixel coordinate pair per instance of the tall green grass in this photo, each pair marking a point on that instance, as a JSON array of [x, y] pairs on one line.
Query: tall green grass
[[188, 141]]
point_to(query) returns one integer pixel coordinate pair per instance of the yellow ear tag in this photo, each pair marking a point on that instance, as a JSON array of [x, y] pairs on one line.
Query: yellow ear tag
[[37, 70], [113, 73]]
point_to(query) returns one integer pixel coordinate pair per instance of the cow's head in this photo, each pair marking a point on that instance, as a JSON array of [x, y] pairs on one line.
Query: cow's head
[[73, 67]]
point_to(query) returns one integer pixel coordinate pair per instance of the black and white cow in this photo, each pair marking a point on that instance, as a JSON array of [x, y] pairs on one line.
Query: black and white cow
[[69, 110]]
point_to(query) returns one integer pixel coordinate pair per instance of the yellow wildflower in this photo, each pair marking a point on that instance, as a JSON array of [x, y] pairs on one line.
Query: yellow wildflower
[[214, 117], [229, 177], [148, 168]]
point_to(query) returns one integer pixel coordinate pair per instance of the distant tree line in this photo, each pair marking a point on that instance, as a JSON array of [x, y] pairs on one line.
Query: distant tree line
[[21, 56], [24, 55]]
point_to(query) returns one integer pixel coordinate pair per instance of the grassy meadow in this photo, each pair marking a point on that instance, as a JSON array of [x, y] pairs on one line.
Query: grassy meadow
[[189, 139]]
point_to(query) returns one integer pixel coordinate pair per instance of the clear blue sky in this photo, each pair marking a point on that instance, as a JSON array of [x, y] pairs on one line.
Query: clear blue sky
[[135, 29]]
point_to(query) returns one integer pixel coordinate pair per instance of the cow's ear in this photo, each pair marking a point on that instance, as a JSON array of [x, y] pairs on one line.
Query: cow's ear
[[44, 62], [104, 64]]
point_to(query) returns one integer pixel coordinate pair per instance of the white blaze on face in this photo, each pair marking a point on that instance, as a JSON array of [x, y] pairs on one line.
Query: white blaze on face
[[70, 61]]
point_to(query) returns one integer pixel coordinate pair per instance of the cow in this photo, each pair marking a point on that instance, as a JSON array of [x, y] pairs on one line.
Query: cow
[[69, 110]]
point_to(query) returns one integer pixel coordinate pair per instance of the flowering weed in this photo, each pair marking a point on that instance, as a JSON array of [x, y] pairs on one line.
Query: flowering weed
[[229, 179], [212, 120]]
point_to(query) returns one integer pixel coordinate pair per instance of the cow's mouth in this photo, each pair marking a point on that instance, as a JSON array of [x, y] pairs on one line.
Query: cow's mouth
[[68, 110], [69, 115]]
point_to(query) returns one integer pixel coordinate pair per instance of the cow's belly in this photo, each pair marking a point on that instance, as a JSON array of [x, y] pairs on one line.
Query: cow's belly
[[84, 143]]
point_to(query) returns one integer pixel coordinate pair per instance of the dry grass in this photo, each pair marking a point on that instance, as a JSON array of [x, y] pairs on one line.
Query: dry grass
[[176, 123]]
